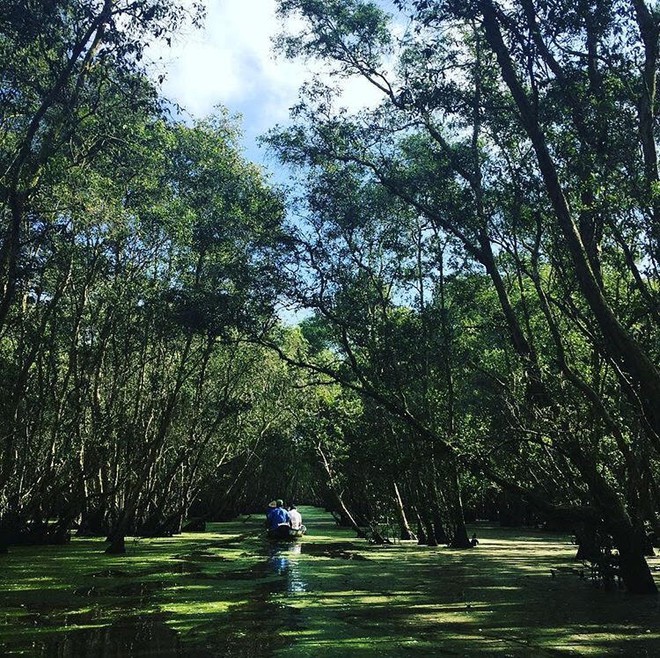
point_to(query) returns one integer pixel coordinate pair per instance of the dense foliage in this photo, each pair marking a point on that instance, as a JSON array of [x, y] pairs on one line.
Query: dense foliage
[[482, 249], [136, 252]]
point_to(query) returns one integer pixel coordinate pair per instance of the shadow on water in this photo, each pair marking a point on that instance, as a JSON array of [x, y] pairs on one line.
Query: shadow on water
[[338, 550], [127, 637], [251, 628]]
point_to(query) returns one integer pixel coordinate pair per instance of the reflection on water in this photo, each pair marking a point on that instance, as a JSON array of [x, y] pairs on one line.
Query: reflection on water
[[284, 560]]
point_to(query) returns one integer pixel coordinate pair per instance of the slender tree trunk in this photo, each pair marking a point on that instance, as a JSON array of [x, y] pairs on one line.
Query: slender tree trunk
[[460, 537], [629, 537], [406, 532], [649, 28], [336, 494]]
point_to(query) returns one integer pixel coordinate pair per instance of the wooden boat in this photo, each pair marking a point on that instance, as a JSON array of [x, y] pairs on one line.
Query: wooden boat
[[285, 533]]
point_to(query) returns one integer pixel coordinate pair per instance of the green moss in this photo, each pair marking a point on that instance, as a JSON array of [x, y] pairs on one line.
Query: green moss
[[228, 591]]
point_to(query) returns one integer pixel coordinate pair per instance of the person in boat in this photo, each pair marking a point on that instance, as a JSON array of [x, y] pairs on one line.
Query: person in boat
[[296, 518], [271, 506], [278, 519]]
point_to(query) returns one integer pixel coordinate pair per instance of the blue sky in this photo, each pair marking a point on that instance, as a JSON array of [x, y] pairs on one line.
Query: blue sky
[[230, 62]]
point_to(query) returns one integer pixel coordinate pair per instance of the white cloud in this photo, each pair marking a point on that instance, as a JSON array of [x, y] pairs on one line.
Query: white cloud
[[230, 62]]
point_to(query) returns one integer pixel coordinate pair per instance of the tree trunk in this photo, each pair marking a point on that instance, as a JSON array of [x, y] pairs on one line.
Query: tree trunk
[[633, 567], [460, 537], [629, 537], [117, 546], [622, 347], [429, 531], [345, 512], [406, 532]]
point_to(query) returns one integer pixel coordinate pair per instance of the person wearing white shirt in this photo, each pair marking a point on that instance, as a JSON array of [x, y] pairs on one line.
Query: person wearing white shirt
[[296, 518]]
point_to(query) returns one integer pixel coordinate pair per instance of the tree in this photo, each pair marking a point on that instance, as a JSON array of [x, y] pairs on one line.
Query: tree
[[482, 133], [137, 255], [62, 62]]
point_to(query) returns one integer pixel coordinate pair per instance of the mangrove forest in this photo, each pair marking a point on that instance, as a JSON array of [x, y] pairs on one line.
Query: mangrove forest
[[431, 323]]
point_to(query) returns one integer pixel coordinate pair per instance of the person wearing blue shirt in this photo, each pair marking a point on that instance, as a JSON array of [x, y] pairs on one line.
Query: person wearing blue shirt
[[278, 520]]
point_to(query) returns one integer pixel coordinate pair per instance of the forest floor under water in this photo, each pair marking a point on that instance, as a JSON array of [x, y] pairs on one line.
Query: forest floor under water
[[229, 592]]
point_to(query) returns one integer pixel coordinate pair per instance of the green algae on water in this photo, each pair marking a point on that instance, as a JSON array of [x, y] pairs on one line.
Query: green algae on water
[[230, 592]]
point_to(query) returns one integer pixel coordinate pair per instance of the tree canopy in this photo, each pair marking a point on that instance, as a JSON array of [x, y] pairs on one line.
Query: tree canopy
[[514, 158]]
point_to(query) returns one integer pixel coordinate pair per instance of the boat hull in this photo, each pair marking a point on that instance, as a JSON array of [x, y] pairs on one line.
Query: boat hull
[[285, 533]]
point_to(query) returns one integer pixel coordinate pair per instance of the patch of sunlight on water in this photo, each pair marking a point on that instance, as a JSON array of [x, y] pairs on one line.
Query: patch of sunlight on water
[[228, 592]]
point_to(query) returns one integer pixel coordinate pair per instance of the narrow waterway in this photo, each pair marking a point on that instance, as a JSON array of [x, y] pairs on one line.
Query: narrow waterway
[[221, 592], [230, 592]]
